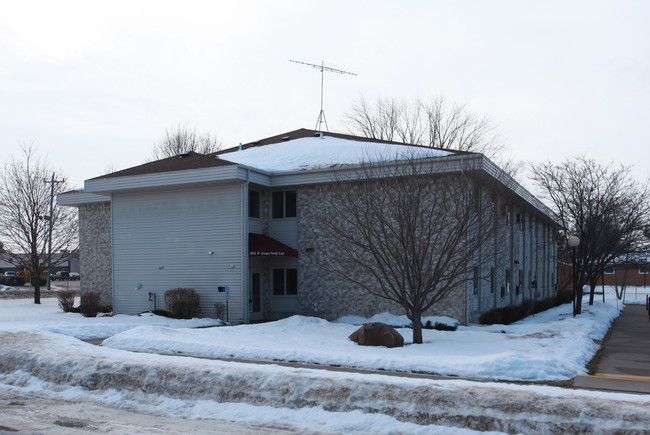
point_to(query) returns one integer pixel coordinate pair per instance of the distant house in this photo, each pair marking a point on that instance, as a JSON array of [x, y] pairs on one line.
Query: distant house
[[67, 261], [239, 220], [631, 271]]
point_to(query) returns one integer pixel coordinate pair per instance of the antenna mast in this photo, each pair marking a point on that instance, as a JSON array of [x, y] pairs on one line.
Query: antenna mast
[[321, 116]]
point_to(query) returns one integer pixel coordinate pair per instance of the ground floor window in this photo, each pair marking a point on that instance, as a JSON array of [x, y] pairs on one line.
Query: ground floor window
[[285, 281]]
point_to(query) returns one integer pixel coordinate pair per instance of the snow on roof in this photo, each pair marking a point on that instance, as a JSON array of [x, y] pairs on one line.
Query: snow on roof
[[314, 152]]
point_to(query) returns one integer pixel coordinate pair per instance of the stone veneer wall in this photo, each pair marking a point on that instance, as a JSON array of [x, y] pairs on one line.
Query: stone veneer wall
[[328, 295], [95, 250]]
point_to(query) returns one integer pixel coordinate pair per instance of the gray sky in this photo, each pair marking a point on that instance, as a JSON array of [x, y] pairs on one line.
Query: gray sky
[[94, 84]]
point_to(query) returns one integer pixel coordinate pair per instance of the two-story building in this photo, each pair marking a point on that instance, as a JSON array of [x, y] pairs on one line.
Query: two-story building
[[240, 220]]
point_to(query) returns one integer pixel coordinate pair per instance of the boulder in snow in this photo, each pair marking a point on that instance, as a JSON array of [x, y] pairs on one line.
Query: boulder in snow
[[377, 334]]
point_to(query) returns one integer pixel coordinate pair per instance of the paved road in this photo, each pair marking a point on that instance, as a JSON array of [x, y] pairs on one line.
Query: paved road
[[624, 363], [39, 415]]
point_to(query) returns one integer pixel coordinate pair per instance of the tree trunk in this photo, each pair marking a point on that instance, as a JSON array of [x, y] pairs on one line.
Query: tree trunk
[[36, 282], [416, 321], [579, 300], [592, 292]]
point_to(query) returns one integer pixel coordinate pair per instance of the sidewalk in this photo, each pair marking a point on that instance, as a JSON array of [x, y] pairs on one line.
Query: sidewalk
[[624, 364]]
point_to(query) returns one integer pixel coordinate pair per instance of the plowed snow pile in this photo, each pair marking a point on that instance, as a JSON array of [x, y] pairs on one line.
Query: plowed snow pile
[[65, 361]]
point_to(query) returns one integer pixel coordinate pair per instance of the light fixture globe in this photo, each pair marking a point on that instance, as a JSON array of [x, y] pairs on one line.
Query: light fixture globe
[[573, 241]]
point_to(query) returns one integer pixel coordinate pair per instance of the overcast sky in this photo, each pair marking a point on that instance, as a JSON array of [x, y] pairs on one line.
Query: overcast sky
[[94, 84]]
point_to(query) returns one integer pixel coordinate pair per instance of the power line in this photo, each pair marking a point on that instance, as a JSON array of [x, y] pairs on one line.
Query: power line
[[321, 116]]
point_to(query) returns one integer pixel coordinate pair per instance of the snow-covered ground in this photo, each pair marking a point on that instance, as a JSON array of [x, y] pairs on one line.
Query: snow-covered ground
[[548, 346], [41, 354]]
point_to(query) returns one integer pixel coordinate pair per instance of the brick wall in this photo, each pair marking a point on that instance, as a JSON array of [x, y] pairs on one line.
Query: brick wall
[[327, 294], [95, 250]]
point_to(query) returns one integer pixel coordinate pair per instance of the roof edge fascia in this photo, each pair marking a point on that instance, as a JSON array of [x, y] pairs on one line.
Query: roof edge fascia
[[161, 179], [506, 180], [80, 197]]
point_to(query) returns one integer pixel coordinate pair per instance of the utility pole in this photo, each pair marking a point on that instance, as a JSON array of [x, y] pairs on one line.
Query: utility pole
[[52, 181], [321, 116]]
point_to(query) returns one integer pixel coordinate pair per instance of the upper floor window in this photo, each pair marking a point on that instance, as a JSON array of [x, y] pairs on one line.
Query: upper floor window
[[507, 214], [643, 269], [493, 279], [253, 204], [284, 204], [609, 270]]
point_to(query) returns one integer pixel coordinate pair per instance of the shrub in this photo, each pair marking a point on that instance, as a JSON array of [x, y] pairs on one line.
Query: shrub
[[220, 308], [163, 313], [106, 309], [66, 300], [491, 317], [443, 327], [544, 304], [89, 306], [511, 314], [565, 296], [183, 302]]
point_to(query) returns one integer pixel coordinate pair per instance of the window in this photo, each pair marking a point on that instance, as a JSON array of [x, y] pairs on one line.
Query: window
[[476, 198], [253, 204], [609, 270], [475, 279], [521, 281], [285, 282], [493, 279], [506, 288], [284, 204], [643, 269]]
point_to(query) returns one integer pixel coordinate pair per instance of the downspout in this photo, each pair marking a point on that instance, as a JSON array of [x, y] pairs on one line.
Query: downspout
[[244, 247], [469, 284]]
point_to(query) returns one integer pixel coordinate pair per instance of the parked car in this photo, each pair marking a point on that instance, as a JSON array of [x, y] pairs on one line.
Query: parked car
[[11, 279], [74, 276], [60, 276]]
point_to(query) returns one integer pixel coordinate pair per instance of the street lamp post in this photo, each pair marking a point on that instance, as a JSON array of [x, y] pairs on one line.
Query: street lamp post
[[573, 242]]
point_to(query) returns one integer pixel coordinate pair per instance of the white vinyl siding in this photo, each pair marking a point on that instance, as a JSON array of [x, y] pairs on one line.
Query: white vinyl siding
[[285, 230], [178, 238]]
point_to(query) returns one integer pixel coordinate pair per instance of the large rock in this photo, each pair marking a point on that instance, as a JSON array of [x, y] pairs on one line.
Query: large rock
[[377, 334]]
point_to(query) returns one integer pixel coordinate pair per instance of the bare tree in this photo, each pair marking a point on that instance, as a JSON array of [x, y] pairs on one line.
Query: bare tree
[[181, 139], [28, 217], [435, 123], [403, 234], [602, 205]]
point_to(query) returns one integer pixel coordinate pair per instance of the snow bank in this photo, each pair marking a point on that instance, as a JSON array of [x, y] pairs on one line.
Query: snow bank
[[58, 361]]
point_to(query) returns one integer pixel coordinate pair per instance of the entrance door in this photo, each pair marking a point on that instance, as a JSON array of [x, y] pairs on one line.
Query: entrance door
[[255, 296]]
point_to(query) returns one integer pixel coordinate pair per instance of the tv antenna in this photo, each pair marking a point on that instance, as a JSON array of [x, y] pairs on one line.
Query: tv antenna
[[321, 116]]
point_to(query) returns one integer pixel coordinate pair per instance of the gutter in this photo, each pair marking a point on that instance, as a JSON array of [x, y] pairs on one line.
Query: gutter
[[244, 247]]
